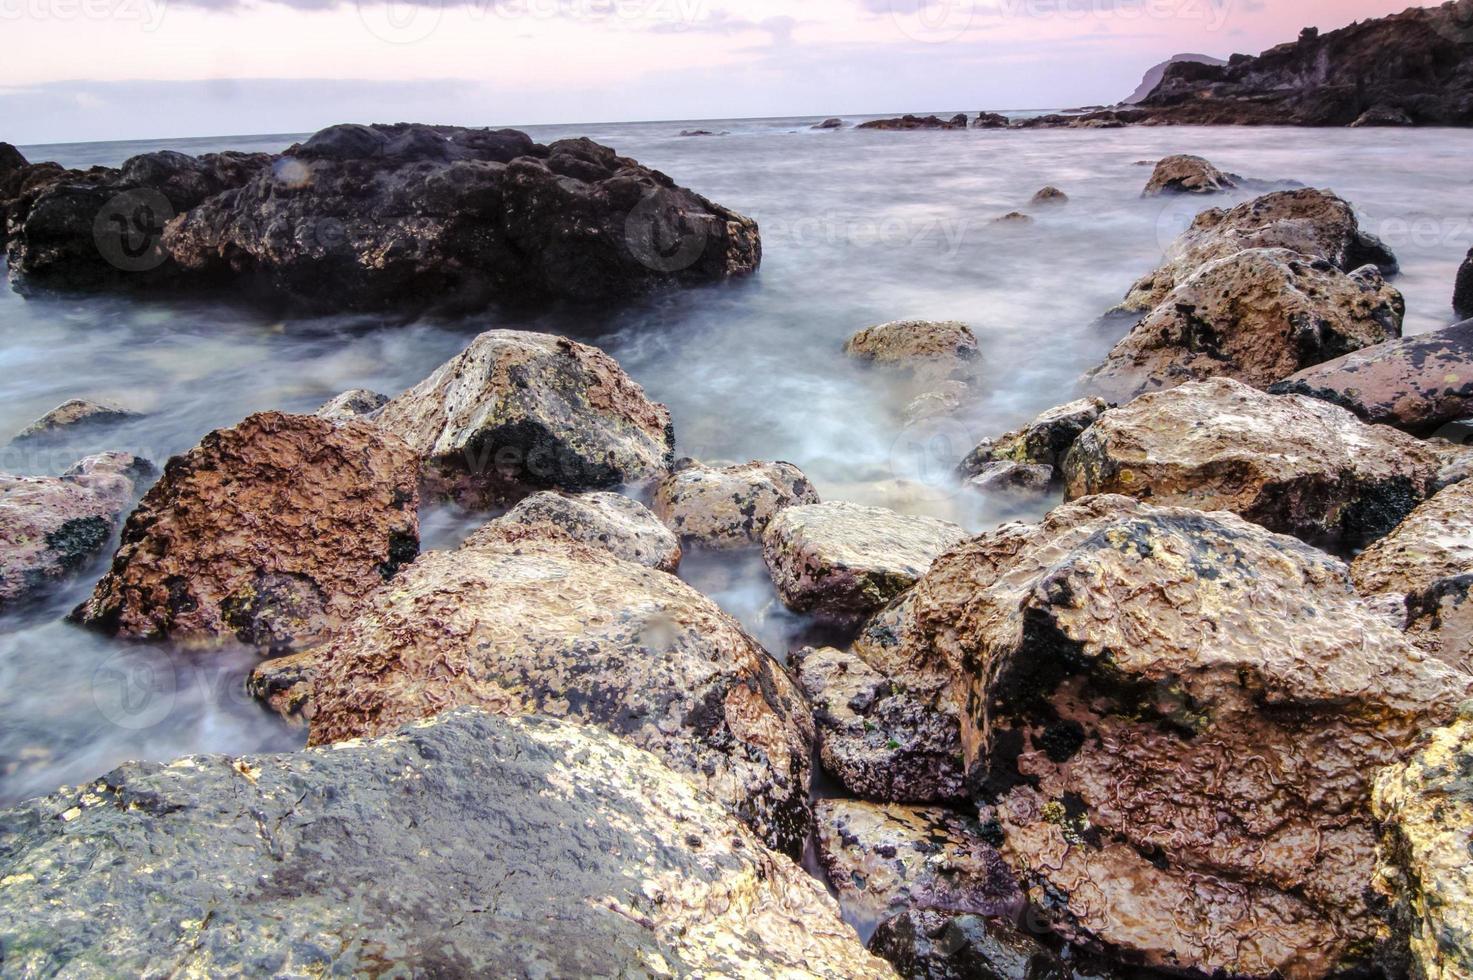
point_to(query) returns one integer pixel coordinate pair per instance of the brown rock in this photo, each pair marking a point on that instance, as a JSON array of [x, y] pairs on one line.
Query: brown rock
[[516, 412], [1292, 464], [910, 343], [1256, 317], [729, 506], [50, 527], [536, 623], [1014, 218], [1041, 443], [623, 527], [271, 532], [1313, 222], [1416, 383], [931, 944], [1178, 716], [1186, 174], [71, 418], [1050, 195]]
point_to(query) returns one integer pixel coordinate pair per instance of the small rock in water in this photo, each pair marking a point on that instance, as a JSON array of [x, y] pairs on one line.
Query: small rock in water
[[1028, 459], [623, 527], [356, 403], [70, 419], [1187, 175], [1050, 195], [830, 123], [1013, 479], [1014, 218], [915, 342], [729, 506], [1382, 115]]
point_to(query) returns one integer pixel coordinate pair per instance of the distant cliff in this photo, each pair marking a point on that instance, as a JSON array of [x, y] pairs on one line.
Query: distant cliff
[[1156, 74]]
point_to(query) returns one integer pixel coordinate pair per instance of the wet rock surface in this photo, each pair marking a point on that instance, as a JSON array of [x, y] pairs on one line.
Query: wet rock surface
[[356, 403], [623, 527], [1163, 708], [389, 216], [1040, 445], [1312, 222], [468, 844], [932, 944], [1415, 383], [1256, 316], [724, 507], [270, 532], [1049, 196], [523, 620], [50, 527], [843, 561], [73, 418], [1186, 174], [1294, 465], [891, 737], [907, 122], [915, 343], [1425, 807], [517, 412], [883, 859]]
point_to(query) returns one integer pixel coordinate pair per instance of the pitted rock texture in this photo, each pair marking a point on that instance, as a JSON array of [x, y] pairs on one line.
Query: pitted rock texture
[[913, 342], [883, 859], [623, 527], [1425, 807], [1313, 222], [1049, 196], [356, 403], [1295, 465], [891, 738], [908, 121], [50, 527], [1257, 317], [1428, 560], [271, 532], [843, 561], [931, 944], [71, 419], [541, 624], [1177, 716], [1185, 174], [517, 412], [1041, 443], [467, 845], [1417, 383], [388, 216], [724, 507]]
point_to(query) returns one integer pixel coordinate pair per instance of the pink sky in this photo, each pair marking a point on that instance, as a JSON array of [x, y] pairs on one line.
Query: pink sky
[[102, 69]]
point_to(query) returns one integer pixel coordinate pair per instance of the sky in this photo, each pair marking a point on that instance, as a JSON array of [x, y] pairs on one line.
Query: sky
[[78, 70]]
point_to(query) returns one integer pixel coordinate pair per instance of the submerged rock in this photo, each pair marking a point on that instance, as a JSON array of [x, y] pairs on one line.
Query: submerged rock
[[831, 123], [1187, 174], [1034, 452], [50, 527], [884, 859], [271, 532], [1313, 222], [729, 506], [959, 121], [1256, 316], [517, 412], [464, 845], [1050, 195], [524, 620], [623, 527], [74, 417], [944, 345], [1292, 464], [932, 944], [356, 403], [843, 561], [380, 216], [1425, 807], [1417, 383], [1162, 707]]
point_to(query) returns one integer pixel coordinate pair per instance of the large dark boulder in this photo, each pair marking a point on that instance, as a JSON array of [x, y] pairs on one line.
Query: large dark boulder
[[467, 845], [1463, 290]]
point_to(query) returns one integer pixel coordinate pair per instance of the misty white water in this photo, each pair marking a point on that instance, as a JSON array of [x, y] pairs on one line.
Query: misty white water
[[857, 228]]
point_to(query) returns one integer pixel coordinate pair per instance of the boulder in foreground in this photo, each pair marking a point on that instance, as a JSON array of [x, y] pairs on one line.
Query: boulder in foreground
[[517, 412], [1162, 706], [271, 532], [524, 620], [464, 845], [723, 507], [1292, 464]]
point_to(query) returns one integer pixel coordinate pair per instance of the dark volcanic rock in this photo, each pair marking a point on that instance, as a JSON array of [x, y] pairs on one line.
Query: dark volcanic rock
[[468, 845], [1153, 76], [1416, 383], [406, 215], [1039, 446], [958, 121], [1164, 707], [1463, 290], [831, 123], [271, 532], [1417, 64], [933, 944], [990, 120], [72, 418]]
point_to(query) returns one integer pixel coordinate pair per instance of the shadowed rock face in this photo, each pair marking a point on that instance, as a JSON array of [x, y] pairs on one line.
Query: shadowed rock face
[[906, 122], [517, 412], [1426, 810], [1163, 707], [1312, 222], [51, 526], [1463, 289], [377, 216], [466, 845], [729, 506], [623, 527], [1294, 465], [1037, 449], [1416, 383], [270, 532], [932, 944], [524, 620], [1255, 316]]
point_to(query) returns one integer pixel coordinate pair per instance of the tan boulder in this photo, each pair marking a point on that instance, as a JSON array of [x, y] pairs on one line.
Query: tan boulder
[[271, 532], [729, 506], [72, 419], [1186, 174], [910, 342], [1032, 454], [623, 527], [1292, 464]]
